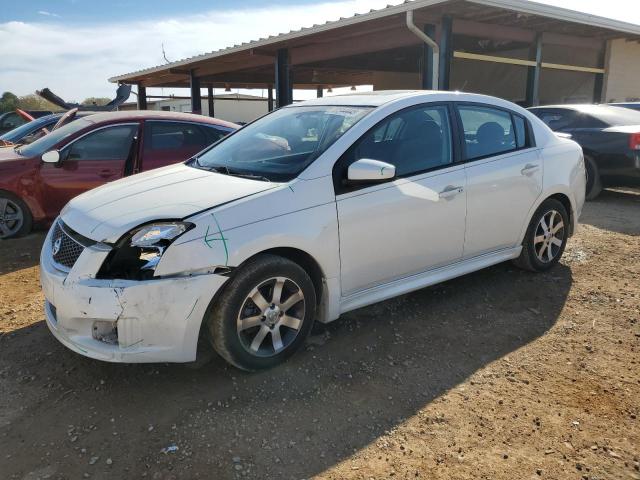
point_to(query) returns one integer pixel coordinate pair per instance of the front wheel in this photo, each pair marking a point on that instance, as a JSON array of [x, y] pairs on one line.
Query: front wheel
[[264, 313], [546, 237], [15, 216]]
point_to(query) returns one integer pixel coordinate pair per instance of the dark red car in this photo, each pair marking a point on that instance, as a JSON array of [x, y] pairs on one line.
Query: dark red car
[[38, 179]]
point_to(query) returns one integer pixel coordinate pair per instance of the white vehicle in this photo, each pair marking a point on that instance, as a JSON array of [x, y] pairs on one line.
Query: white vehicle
[[314, 210]]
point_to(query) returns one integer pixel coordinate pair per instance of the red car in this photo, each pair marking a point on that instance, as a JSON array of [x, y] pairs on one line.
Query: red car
[[38, 179]]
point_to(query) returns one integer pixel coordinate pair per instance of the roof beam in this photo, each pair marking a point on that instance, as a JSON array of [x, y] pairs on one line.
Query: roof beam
[[499, 32], [364, 44]]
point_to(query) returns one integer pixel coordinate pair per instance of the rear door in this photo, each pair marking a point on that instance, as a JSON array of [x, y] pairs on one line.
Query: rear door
[[98, 157], [504, 176], [166, 142]]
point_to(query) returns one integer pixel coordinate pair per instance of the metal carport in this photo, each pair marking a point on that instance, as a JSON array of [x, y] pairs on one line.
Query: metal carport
[[517, 49]]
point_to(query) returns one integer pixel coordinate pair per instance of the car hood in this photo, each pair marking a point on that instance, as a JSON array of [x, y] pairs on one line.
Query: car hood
[[106, 213]]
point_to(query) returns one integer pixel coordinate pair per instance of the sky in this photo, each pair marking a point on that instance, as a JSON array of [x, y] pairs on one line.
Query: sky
[[74, 46]]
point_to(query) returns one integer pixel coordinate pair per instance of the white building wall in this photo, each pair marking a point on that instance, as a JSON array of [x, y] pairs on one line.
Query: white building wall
[[240, 110], [622, 80]]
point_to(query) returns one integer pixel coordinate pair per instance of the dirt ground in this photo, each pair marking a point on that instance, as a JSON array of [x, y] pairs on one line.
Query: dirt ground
[[501, 374]]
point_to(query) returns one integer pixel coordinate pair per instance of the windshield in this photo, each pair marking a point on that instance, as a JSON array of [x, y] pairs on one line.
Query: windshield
[[49, 141], [29, 127], [280, 145]]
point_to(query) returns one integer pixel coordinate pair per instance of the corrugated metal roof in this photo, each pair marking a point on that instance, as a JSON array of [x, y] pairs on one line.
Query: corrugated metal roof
[[524, 6]]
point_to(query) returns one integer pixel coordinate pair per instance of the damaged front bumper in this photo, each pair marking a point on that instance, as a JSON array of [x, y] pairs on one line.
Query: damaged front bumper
[[121, 320]]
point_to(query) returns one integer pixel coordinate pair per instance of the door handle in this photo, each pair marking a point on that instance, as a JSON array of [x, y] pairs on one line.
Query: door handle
[[450, 191], [529, 168]]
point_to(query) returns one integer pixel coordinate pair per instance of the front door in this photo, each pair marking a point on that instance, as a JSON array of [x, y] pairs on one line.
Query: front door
[[504, 177], [414, 223], [88, 162]]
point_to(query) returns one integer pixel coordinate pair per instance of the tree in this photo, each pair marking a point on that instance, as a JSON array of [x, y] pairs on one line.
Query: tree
[[96, 101], [35, 102], [8, 102]]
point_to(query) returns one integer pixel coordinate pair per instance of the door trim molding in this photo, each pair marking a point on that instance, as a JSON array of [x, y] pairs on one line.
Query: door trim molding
[[425, 279]]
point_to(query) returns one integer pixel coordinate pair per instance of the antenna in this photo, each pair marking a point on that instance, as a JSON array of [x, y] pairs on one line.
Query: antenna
[[164, 54]]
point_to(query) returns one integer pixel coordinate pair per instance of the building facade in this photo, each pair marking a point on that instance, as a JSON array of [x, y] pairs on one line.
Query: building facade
[[232, 107]]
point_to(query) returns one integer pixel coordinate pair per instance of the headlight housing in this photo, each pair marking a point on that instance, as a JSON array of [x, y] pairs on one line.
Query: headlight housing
[[137, 254]]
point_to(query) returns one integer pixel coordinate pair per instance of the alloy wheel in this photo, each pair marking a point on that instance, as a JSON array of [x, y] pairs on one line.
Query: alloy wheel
[[11, 218], [271, 317], [549, 237]]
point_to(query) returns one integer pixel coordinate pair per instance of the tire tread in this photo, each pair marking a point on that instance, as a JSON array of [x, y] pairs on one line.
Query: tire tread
[[226, 304]]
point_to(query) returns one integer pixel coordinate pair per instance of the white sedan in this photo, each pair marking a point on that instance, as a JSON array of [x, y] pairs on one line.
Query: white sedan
[[314, 210]]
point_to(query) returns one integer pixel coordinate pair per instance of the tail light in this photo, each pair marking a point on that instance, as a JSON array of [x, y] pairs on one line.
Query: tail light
[[634, 141]]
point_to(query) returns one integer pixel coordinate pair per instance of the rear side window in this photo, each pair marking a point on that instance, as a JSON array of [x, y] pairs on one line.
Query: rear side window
[[214, 134], [557, 119], [491, 131], [174, 136], [521, 131]]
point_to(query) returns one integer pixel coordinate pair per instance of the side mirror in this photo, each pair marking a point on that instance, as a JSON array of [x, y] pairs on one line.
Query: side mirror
[[367, 170], [52, 156]]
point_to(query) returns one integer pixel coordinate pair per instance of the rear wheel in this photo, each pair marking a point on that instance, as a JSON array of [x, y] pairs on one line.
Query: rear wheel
[[594, 185], [15, 217], [264, 314], [546, 237]]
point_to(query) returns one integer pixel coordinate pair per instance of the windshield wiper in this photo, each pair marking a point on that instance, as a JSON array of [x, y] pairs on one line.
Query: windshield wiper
[[247, 175], [223, 169]]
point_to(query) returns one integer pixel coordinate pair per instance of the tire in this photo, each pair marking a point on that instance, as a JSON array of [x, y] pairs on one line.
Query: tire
[[15, 217], [256, 322], [539, 250], [594, 184]]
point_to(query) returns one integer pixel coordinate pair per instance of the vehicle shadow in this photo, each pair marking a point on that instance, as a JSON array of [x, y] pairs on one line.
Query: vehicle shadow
[[615, 210], [19, 253], [363, 375]]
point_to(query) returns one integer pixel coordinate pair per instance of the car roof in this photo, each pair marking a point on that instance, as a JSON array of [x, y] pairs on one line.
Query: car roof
[[370, 99], [57, 115], [382, 97], [155, 115], [582, 107]]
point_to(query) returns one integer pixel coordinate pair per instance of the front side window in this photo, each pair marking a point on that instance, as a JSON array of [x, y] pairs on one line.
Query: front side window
[[49, 141], [280, 145], [490, 131], [413, 140], [111, 143], [12, 121]]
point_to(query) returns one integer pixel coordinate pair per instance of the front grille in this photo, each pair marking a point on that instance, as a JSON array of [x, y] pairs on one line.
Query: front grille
[[64, 248]]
